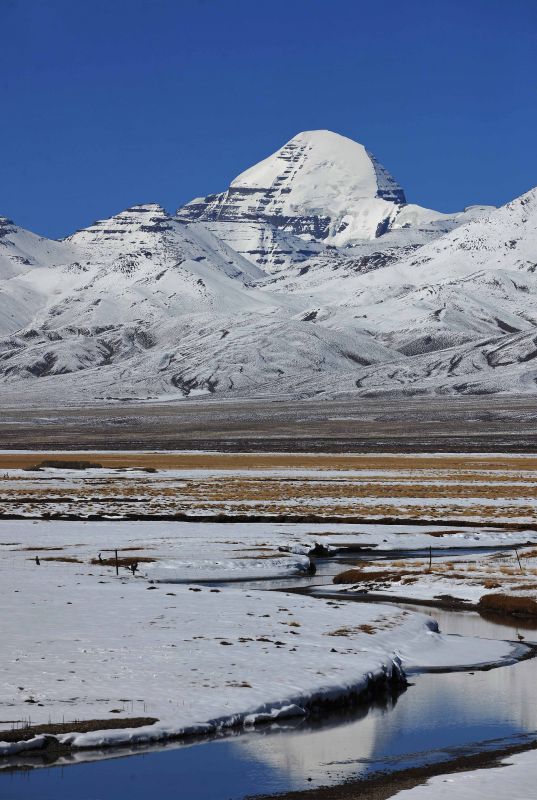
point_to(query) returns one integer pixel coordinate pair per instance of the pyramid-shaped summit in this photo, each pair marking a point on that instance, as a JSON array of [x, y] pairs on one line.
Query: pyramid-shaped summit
[[320, 185]]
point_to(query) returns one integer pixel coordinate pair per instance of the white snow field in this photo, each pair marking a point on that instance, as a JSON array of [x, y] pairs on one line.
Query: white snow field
[[177, 571], [310, 275], [85, 644], [516, 779]]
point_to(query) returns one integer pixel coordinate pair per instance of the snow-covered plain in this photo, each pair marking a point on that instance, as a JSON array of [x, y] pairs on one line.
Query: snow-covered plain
[[85, 644]]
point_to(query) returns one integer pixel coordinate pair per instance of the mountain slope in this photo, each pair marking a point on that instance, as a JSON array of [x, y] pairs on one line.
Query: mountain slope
[[464, 306], [27, 276], [153, 306], [21, 250]]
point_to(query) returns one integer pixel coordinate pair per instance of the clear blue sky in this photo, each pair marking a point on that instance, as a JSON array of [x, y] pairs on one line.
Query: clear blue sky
[[108, 103]]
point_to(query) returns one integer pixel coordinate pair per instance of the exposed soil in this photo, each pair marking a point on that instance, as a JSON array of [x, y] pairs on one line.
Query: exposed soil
[[122, 561], [241, 518], [445, 601], [64, 559], [381, 425], [54, 463], [357, 575]]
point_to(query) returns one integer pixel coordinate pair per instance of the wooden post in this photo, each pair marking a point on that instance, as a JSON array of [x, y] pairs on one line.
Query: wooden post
[[117, 565], [518, 559], [430, 558]]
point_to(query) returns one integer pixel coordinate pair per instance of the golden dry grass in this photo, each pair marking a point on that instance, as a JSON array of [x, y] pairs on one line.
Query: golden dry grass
[[357, 575], [509, 604], [235, 461], [65, 559], [39, 549], [345, 631], [512, 590], [489, 583]]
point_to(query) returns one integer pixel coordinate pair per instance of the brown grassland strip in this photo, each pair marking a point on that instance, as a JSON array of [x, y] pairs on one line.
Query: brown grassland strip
[[508, 517], [213, 489], [123, 561], [234, 461], [246, 490], [40, 548], [63, 559]]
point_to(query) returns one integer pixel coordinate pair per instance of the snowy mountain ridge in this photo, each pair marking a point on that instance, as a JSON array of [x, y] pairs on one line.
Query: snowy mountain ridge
[[311, 275], [319, 187]]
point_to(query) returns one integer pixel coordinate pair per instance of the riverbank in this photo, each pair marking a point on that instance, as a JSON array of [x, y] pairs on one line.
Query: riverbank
[[470, 777], [503, 583]]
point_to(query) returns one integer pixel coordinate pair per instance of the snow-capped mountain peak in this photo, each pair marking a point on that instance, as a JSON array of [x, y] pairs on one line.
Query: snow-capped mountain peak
[[134, 222], [319, 186], [319, 191], [320, 172]]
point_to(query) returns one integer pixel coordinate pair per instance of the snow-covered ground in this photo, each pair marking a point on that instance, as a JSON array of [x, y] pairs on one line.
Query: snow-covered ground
[[85, 644], [515, 779], [257, 567]]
